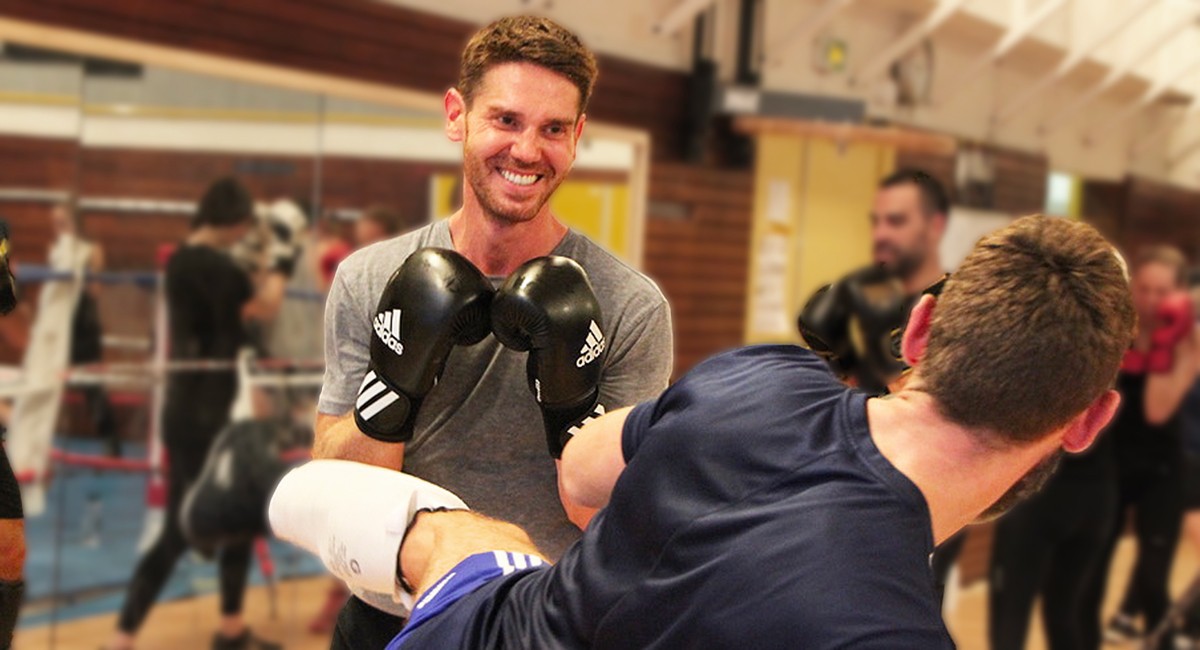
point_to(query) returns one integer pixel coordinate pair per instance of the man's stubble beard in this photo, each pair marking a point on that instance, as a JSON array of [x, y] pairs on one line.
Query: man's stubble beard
[[477, 171], [906, 262]]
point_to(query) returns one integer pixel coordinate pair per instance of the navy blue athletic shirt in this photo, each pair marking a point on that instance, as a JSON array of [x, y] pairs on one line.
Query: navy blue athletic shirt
[[755, 512]]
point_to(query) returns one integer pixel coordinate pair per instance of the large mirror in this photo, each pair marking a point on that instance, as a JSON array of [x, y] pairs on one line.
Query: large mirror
[[116, 154]]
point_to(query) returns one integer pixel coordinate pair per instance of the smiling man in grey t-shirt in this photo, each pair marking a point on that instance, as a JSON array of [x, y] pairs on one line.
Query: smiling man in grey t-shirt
[[518, 111]]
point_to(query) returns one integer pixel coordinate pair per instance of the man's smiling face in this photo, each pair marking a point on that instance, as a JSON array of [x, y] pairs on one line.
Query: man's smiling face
[[519, 138]]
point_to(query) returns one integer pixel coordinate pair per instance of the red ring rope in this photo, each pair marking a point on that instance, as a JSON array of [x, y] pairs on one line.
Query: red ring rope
[[108, 463]]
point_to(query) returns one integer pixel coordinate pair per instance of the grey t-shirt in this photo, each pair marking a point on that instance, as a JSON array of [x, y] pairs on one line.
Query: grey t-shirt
[[479, 432]]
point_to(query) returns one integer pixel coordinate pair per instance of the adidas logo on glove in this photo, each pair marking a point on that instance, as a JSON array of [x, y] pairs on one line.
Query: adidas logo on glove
[[592, 347], [387, 328]]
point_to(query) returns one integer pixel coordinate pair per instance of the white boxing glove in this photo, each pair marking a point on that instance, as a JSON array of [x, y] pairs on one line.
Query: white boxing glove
[[354, 516], [285, 224]]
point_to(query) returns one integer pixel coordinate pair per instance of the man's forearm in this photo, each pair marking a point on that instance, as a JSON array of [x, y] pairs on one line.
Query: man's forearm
[[579, 515], [338, 437], [592, 461]]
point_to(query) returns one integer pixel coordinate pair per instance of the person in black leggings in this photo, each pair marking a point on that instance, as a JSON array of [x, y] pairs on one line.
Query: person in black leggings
[[1189, 427], [12, 551], [207, 298], [1050, 545], [1157, 373], [12, 515]]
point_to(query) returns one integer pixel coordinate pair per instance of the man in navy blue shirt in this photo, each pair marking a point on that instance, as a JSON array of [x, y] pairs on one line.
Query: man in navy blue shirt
[[758, 502]]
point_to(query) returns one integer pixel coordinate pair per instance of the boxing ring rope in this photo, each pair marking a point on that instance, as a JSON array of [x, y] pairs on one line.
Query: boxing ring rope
[[283, 373], [108, 463], [36, 273]]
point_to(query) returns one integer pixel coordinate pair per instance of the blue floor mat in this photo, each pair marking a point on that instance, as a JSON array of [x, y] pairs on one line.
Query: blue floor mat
[[83, 549]]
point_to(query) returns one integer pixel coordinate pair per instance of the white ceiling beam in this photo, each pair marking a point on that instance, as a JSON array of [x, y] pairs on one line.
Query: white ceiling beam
[[1011, 38], [803, 30], [1176, 27], [1144, 141], [1130, 12], [679, 15], [1152, 93], [901, 46]]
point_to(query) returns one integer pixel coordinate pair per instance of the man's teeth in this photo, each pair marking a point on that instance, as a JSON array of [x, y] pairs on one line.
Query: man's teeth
[[519, 179]]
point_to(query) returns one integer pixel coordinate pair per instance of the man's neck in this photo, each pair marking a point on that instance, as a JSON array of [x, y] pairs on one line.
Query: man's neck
[[204, 236], [957, 474], [929, 272], [498, 247]]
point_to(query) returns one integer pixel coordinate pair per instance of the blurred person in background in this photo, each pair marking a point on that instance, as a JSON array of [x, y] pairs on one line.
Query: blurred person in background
[[208, 298], [68, 251], [1188, 637], [12, 515], [377, 223], [1156, 375], [908, 221], [12, 551], [289, 332], [294, 334], [332, 246], [1189, 422]]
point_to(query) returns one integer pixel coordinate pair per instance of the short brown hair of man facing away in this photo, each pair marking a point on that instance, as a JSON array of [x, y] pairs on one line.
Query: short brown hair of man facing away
[[527, 39], [1029, 331]]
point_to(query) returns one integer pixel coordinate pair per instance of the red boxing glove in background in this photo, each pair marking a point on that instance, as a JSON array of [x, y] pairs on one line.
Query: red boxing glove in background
[[1175, 322], [331, 257], [1133, 362]]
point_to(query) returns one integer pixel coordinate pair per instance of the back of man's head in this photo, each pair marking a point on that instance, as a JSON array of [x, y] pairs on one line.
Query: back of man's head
[[1029, 331], [225, 203]]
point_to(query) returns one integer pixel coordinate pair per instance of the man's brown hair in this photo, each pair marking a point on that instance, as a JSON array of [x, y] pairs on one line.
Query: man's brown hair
[[1030, 330], [527, 39]]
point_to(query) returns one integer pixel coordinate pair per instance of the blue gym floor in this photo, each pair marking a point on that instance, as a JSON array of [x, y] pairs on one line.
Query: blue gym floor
[[82, 550]]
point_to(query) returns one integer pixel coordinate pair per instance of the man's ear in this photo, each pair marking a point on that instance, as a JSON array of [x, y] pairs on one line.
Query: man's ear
[[456, 115], [940, 220], [579, 126], [1082, 430], [916, 333]]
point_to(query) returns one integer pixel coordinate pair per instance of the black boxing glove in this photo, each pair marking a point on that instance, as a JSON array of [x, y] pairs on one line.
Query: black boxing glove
[[547, 307], [824, 324], [878, 307], [857, 325], [437, 299]]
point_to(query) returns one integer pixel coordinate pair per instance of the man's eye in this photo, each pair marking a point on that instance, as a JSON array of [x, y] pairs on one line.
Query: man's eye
[[508, 120]]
